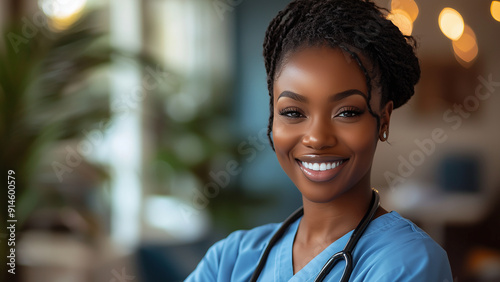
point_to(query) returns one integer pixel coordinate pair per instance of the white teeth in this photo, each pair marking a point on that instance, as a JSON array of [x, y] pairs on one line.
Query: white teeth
[[321, 166]]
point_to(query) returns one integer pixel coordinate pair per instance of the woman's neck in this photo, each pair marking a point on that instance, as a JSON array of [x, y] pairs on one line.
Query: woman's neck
[[327, 222]]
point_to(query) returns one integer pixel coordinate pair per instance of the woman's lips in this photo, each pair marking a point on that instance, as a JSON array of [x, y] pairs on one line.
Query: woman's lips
[[321, 171]]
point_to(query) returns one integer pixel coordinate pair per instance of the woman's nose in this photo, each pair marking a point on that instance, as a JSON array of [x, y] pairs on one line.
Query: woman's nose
[[320, 135]]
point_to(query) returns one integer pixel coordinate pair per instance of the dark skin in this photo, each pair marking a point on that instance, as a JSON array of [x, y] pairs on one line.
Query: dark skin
[[321, 117]]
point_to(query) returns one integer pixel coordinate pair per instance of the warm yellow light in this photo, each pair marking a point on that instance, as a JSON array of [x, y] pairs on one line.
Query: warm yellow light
[[465, 47], [451, 23], [409, 6], [402, 20], [62, 13], [467, 41], [495, 10]]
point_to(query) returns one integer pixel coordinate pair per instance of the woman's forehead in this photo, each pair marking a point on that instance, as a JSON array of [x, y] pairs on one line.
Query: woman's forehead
[[321, 67]]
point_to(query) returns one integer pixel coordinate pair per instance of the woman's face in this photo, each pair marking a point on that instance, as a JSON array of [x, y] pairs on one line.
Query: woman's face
[[324, 136]]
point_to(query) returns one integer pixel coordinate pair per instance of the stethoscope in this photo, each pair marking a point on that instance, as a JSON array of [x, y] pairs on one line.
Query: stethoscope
[[345, 254]]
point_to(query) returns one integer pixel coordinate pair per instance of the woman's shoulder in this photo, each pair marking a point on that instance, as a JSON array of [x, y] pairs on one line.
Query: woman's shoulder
[[392, 232], [398, 229], [395, 246], [244, 242]]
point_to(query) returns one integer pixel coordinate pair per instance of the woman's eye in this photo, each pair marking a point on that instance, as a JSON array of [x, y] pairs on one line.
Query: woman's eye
[[291, 113], [349, 113]]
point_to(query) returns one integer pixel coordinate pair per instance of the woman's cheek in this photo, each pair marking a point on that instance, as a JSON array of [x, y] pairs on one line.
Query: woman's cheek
[[280, 136], [285, 138], [360, 139]]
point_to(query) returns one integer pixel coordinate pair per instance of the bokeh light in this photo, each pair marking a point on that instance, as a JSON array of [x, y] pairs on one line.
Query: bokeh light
[[466, 48], [451, 23], [402, 20], [62, 13], [409, 6], [495, 10]]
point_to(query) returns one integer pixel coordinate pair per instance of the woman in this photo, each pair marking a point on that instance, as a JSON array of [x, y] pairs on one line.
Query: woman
[[336, 70]]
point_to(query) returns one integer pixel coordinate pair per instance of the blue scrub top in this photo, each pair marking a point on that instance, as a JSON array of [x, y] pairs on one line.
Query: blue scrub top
[[391, 249]]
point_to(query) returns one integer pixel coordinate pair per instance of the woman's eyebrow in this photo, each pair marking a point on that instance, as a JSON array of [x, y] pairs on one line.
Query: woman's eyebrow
[[333, 98], [344, 94], [293, 95]]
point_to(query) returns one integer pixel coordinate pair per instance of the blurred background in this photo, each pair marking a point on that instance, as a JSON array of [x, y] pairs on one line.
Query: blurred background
[[137, 133]]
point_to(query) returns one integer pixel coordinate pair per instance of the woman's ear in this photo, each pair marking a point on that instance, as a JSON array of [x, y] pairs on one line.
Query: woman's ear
[[385, 120]]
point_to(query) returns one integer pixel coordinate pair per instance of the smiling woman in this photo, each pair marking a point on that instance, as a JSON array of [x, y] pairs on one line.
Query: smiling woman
[[328, 125], [336, 70]]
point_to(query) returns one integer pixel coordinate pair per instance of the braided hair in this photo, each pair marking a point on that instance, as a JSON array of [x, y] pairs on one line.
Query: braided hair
[[357, 27]]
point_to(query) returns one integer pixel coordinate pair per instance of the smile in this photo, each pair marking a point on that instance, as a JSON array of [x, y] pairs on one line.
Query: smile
[[321, 166], [317, 170]]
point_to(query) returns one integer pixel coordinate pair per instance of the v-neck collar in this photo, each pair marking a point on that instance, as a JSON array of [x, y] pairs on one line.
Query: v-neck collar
[[284, 270]]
